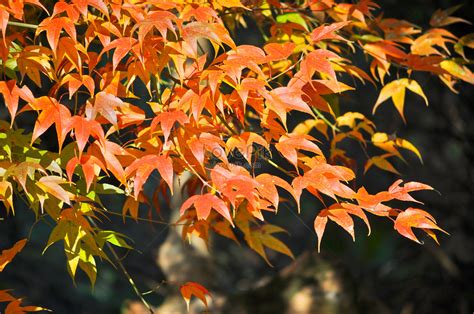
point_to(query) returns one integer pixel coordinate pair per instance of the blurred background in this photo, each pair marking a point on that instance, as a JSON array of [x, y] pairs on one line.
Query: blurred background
[[382, 273]]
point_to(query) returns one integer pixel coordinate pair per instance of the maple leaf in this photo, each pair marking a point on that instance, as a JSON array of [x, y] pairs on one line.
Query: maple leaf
[[53, 28], [327, 32], [424, 45], [82, 6], [390, 144], [415, 218], [91, 167], [373, 203], [167, 120], [129, 115], [7, 255], [112, 237], [103, 31], [199, 13], [464, 41], [340, 214], [215, 32], [16, 8], [24, 170], [244, 144], [131, 205], [236, 184], [401, 192], [4, 17], [83, 129], [244, 56], [113, 156], [207, 142], [398, 30], [325, 178], [144, 166], [52, 112], [200, 228], [396, 90], [317, 61], [5, 296], [267, 187], [75, 81], [6, 195], [457, 70], [443, 17], [51, 185], [105, 104], [248, 85], [276, 51], [203, 205], [315, 89], [70, 9], [352, 120], [218, 4], [306, 126], [205, 105], [288, 144], [68, 55], [122, 47], [224, 229], [34, 61], [260, 236], [12, 94], [190, 288], [15, 307], [383, 52], [161, 20], [382, 163], [283, 99]]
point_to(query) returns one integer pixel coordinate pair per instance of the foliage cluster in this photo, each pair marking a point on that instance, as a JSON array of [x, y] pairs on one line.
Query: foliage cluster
[[135, 88]]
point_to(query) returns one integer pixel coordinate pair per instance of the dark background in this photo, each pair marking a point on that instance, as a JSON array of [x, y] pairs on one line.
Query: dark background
[[406, 277]]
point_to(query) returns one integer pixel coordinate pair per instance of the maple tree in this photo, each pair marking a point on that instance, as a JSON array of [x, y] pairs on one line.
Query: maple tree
[[130, 87]]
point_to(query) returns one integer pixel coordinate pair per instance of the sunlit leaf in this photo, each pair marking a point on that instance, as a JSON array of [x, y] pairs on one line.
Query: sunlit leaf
[[7, 255]]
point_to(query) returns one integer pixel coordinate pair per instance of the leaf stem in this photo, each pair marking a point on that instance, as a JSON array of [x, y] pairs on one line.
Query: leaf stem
[[226, 124], [20, 24], [143, 219], [125, 272], [322, 117], [280, 168], [191, 168], [156, 288], [287, 70]]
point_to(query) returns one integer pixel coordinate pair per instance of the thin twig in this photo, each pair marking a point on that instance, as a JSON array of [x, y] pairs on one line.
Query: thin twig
[[224, 122], [20, 24], [287, 70], [280, 168], [322, 117], [156, 288], [144, 219], [125, 272]]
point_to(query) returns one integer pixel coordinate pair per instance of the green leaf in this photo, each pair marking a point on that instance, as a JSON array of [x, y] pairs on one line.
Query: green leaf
[[112, 237], [106, 188], [293, 18], [58, 233], [367, 38], [88, 265]]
